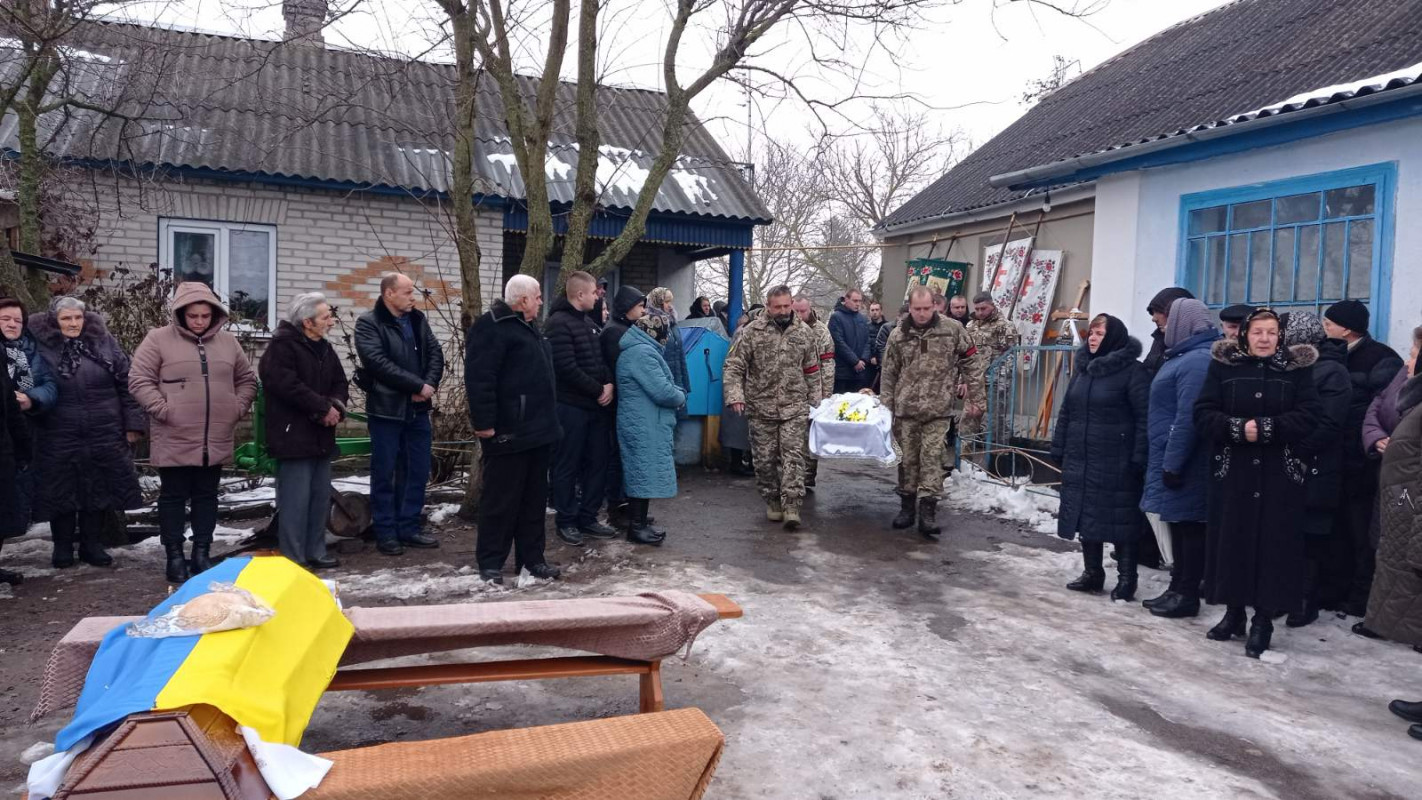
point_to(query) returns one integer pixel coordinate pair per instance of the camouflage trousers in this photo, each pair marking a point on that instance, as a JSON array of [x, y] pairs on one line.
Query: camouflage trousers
[[921, 471], [778, 449]]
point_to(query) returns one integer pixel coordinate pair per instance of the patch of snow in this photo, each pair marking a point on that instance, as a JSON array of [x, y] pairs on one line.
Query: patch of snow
[[36, 751], [972, 489], [440, 514], [1325, 92], [618, 169], [696, 187]]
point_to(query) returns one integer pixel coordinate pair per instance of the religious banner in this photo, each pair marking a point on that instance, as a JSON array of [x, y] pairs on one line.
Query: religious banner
[[1002, 272], [935, 273], [1033, 309]]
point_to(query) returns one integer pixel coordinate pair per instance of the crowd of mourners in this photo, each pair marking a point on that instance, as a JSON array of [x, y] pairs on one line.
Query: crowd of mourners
[[1270, 458]]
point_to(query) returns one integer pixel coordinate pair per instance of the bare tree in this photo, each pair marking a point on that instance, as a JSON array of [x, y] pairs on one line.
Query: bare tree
[[873, 172]]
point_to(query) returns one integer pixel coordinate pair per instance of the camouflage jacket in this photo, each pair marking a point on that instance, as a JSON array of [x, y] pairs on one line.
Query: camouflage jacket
[[994, 337], [824, 345], [924, 366], [774, 372]]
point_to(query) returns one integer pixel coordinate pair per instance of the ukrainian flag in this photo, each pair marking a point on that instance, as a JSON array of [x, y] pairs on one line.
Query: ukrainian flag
[[268, 678]]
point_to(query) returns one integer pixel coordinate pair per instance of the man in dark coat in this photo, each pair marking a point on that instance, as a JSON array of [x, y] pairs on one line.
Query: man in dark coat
[[1325, 444], [1371, 365], [585, 393], [628, 306], [402, 364], [876, 354], [1101, 445], [1159, 311], [1231, 317], [15, 451], [852, 343], [508, 377], [1258, 407]]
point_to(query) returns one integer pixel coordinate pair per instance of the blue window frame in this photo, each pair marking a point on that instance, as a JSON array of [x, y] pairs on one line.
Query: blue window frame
[[1300, 243]]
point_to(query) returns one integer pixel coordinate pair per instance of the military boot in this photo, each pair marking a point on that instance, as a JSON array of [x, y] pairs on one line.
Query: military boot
[[773, 511], [905, 517], [792, 518], [928, 518]]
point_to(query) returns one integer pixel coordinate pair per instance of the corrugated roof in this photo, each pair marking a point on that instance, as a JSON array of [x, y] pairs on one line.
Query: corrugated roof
[[1234, 63], [299, 111]]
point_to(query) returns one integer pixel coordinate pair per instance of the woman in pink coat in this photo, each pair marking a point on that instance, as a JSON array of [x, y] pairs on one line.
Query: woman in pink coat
[[195, 383]]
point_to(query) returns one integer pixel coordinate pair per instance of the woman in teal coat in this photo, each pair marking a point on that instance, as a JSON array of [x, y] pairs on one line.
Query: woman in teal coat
[[647, 400]]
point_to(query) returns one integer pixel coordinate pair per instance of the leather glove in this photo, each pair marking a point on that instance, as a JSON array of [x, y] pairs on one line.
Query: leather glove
[[1172, 480]]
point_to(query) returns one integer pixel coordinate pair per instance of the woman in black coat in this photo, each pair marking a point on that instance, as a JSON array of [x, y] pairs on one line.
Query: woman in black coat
[[1258, 408], [15, 450], [84, 455], [1101, 445]]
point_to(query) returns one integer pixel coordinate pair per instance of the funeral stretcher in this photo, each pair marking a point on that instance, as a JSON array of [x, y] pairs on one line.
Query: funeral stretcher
[[628, 635]]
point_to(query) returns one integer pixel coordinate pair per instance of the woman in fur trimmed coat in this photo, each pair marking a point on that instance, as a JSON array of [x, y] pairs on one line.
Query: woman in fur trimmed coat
[[1258, 407]]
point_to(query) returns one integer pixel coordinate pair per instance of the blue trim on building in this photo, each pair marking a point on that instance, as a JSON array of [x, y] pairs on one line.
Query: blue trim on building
[[672, 228], [1246, 139], [1383, 176]]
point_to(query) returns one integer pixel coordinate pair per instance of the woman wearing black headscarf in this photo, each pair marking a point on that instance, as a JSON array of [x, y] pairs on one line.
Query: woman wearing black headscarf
[[1258, 407], [700, 308], [1101, 443]]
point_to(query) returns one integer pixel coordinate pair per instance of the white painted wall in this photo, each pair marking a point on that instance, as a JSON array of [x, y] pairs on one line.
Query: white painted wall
[[1137, 227]]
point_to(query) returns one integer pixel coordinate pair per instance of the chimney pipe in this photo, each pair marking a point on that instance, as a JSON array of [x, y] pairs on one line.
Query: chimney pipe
[[305, 20]]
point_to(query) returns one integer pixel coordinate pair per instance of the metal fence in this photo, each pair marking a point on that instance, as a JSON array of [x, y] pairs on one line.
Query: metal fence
[[1025, 389]]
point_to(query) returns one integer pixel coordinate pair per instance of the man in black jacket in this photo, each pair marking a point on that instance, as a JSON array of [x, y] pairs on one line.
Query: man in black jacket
[[584, 412], [508, 377], [628, 306], [401, 365], [1371, 366]]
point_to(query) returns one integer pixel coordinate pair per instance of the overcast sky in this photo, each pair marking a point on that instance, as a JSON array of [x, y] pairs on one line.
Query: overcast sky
[[967, 64]]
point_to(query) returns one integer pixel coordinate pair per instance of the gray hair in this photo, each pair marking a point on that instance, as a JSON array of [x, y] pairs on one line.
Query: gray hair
[[519, 287], [304, 306], [67, 302]]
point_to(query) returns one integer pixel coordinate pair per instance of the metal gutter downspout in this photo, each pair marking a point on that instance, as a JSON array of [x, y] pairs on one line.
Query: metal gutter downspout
[[1062, 169]]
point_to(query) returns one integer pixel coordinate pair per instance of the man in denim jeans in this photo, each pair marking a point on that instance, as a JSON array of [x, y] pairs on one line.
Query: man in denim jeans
[[401, 364]]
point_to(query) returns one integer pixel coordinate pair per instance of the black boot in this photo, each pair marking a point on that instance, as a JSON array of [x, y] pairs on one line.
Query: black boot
[[1177, 606], [1231, 625], [91, 552], [638, 531], [202, 561], [177, 565], [928, 518], [905, 518], [10, 576], [1260, 631], [62, 533], [1093, 578], [1126, 574]]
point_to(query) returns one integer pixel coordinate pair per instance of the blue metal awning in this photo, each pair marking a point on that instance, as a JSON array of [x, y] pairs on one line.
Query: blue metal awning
[[661, 228]]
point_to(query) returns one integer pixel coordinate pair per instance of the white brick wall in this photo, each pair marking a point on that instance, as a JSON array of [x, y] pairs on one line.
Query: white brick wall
[[333, 242]]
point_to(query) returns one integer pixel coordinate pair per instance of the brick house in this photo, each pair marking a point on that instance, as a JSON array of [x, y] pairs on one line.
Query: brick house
[[270, 168]]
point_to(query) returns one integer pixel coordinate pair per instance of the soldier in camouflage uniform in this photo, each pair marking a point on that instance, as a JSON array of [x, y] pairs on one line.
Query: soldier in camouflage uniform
[[772, 374], [927, 356], [824, 342], [994, 336]]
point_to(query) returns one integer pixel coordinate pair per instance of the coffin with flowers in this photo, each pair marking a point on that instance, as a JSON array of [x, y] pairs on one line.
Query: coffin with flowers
[[853, 426]]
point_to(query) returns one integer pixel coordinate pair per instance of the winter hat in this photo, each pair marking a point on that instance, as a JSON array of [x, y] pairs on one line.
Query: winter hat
[[1301, 327], [1162, 300], [1236, 313], [1188, 317], [1349, 314], [627, 299]]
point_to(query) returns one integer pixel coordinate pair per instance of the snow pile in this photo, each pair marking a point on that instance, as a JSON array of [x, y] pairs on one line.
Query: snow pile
[[442, 513], [972, 489], [36, 751]]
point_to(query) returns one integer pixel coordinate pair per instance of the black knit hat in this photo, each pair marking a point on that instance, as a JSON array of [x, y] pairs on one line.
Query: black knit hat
[[1349, 314], [1236, 313], [1160, 304]]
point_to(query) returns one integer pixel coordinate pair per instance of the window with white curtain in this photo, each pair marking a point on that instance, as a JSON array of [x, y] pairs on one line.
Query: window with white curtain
[[238, 260]]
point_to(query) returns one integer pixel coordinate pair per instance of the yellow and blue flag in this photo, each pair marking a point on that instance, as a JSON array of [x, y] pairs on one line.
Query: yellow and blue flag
[[268, 678]]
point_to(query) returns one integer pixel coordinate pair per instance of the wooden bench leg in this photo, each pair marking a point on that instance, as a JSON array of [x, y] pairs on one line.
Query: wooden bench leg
[[652, 699]]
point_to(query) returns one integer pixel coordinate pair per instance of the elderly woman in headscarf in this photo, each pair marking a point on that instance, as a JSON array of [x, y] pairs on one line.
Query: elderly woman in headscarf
[[1178, 474], [647, 400], [1325, 445], [1258, 409], [659, 304], [1100, 443], [32, 384], [700, 308], [84, 457]]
